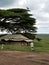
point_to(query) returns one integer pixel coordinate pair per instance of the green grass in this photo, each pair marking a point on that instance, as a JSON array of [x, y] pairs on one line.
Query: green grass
[[16, 48], [41, 46]]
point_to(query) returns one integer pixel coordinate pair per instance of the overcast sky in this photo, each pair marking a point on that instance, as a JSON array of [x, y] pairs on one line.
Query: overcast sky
[[39, 8]]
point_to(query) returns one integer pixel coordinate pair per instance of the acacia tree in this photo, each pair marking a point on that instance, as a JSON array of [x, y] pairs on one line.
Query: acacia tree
[[17, 20]]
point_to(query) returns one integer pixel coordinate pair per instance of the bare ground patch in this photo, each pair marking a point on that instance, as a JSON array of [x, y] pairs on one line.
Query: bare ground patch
[[24, 58]]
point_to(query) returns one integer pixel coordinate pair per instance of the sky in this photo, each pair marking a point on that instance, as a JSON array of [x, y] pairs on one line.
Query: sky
[[39, 8]]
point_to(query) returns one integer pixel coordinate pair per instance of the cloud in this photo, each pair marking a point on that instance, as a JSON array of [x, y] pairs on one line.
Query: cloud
[[46, 9]]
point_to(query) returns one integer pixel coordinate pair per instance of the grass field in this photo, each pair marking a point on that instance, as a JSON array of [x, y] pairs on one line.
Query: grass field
[[39, 46], [42, 45], [43, 36], [15, 48]]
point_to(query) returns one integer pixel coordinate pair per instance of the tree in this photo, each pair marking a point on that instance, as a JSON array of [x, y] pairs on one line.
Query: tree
[[17, 20]]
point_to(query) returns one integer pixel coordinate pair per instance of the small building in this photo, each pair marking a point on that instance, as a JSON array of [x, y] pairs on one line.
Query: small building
[[16, 39]]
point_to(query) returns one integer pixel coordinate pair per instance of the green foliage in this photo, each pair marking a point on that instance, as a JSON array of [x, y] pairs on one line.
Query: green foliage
[[2, 35], [18, 10], [19, 19], [5, 13], [30, 36]]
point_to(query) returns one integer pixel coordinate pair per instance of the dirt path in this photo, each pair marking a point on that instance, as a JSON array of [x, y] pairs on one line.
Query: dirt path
[[23, 58]]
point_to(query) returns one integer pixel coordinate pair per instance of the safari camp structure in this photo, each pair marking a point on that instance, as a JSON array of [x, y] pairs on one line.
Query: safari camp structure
[[16, 39]]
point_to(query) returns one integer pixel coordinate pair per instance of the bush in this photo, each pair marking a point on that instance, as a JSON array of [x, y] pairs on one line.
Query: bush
[[29, 35]]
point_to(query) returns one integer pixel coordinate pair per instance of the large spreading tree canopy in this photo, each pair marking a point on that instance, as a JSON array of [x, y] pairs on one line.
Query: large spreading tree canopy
[[17, 20]]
